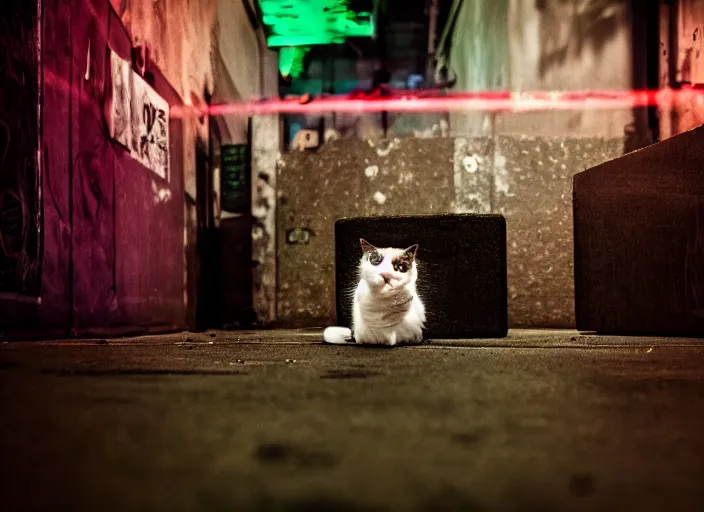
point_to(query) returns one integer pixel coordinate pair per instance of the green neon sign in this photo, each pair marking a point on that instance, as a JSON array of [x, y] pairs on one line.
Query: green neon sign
[[313, 22], [291, 60]]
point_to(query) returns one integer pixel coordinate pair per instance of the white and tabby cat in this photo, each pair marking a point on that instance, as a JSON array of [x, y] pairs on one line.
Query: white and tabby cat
[[386, 308]]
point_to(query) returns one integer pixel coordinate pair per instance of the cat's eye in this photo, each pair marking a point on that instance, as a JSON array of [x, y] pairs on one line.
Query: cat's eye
[[401, 266], [375, 258]]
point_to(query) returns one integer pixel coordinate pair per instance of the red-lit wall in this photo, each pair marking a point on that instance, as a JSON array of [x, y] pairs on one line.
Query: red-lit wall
[[113, 253]]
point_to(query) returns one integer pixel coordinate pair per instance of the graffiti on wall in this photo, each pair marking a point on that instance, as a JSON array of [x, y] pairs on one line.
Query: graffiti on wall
[[139, 118], [20, 262]]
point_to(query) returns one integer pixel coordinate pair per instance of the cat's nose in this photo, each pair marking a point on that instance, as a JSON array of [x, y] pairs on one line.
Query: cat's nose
[[387, 276]]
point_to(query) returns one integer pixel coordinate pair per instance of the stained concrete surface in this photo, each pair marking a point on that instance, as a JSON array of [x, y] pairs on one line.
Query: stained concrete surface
[[347, 178], [277, 421], [528, 179], [533, 190]]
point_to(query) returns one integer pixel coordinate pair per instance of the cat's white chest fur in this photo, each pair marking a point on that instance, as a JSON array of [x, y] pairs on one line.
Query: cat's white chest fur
[[386, 309], [387, 317]]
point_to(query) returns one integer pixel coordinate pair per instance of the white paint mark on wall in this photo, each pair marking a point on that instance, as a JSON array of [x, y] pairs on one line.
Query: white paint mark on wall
[[475, 197], [385, 152], [440, 129], [405, 177], [331, 135], [371, 171], [87, 77], [501, 177], [161, 195], [472, 191], [471, 163], [460, 150], [379, 198]]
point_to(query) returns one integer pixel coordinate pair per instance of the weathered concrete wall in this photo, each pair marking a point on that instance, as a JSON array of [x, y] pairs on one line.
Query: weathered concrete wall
[[686, 112], [244, 67], [266, 141], [533, 190], [347, 178], [527, 179], [569, 45], [179, 36], [550, 45], [209, 47]]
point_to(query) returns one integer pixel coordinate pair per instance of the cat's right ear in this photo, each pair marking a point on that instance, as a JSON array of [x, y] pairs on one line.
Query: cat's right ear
[[366, 246]]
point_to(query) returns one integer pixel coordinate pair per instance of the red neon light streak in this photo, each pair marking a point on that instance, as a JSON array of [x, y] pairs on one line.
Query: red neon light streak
[[468, 102], [483, 101]]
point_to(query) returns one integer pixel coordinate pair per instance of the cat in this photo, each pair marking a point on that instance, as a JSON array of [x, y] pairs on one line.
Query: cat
[[386, 309]]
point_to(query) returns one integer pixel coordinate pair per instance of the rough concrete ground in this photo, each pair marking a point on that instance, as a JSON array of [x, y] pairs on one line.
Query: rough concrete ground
[[277, 421]]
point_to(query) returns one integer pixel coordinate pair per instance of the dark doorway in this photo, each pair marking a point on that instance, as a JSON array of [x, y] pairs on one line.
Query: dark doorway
[[236, 235], [207, 299]]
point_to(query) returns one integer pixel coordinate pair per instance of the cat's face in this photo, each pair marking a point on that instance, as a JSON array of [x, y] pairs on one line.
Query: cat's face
[[388, 269]]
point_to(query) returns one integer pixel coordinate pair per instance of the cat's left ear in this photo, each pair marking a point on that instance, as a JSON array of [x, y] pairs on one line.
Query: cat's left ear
[[366, 246], [411, 251]]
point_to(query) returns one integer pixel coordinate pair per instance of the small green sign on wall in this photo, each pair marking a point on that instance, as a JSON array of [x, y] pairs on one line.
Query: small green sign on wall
[[234, 177]]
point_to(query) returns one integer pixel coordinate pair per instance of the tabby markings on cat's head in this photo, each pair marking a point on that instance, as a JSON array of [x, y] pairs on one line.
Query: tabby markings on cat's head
[[389, 267]]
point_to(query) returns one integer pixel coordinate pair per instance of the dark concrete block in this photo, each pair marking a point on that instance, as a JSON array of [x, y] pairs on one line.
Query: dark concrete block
[[639, 241], [461, 272]]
